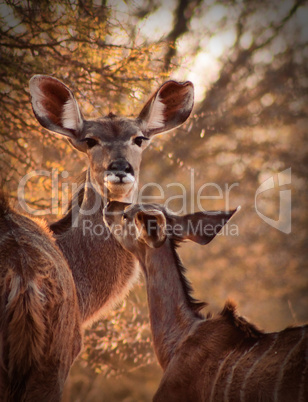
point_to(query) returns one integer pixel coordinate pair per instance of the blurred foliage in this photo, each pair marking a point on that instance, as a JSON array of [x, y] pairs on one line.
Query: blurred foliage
[[113, 348], [248, 61], [81, 43]]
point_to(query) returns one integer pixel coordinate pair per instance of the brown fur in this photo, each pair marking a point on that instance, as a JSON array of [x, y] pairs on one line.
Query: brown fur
[[44, 301], [218, 358], [38, 310], [103, 271]]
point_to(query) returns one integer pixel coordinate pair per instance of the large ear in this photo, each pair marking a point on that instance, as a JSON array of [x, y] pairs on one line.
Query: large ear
[[56, 108], [151, 227], [167, 108], [200, 227]]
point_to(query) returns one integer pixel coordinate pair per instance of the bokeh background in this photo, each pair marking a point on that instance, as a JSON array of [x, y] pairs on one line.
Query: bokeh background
[[248, 61]]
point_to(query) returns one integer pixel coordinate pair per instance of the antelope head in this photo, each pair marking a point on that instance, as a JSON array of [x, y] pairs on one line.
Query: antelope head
[[113, 144], [149, 225]]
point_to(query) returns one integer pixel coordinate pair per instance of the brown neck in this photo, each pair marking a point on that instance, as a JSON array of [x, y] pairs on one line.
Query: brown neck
[[103, 271], [173, 311]]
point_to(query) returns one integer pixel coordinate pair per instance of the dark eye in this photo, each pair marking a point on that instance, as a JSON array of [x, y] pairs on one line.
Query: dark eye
[[91, 142], [138, 140], [124, 217]]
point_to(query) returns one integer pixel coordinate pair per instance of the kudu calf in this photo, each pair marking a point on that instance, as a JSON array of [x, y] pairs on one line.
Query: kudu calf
[[102, 270], [40, 327], [220, 358]]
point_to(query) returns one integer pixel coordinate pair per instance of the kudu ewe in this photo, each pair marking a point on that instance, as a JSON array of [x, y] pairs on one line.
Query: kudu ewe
[[44, 303], [102, 270], [220, 358], [40, 327]]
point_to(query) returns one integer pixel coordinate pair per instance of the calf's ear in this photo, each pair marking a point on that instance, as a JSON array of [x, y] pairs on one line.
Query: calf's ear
[[151, 227], [200, 227]]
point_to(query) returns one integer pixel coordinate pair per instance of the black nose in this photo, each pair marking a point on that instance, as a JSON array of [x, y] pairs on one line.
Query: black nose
[[120, 165]]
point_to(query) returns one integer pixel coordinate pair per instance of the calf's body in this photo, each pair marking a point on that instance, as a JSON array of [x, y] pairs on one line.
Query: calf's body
[[213, 359]]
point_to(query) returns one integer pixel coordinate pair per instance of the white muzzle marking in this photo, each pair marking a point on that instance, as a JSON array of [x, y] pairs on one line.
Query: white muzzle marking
[[112, 178]]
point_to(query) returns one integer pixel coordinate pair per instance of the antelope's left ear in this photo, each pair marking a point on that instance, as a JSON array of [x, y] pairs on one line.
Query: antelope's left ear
[[168, 108], [151, 227], [200, 227]]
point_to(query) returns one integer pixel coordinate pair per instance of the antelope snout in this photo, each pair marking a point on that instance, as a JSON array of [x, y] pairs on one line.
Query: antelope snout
[[120, 171]]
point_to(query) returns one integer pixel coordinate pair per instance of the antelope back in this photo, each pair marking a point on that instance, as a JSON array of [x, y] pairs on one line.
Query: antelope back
[[39, 320]]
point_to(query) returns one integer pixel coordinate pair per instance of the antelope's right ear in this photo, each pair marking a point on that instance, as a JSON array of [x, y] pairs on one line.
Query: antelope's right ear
[[151, 227], [56, 108], [168, 108]]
